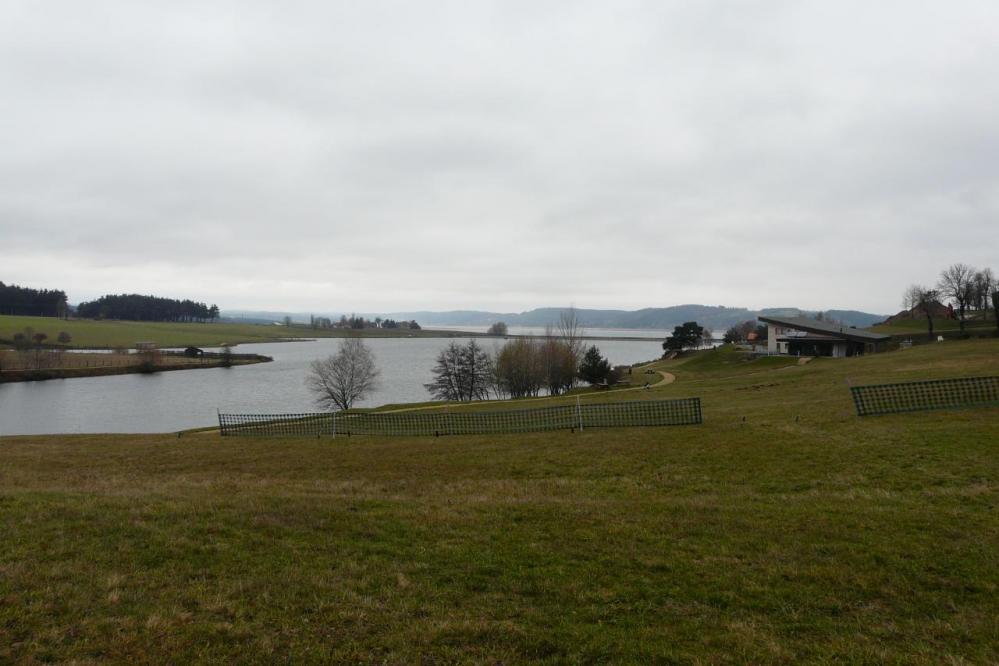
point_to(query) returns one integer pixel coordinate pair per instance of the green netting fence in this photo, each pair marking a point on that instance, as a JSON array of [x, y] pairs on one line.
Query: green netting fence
[[686, 411], [918, 396]]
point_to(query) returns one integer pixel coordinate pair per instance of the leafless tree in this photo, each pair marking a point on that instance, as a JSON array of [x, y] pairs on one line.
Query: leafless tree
[[925, 298], [707, 337], [462, 372], [340, 380], [519, 368], [912, 298], [982, 285], [956, 283], [570, 330], [559, 362], [499, 328]]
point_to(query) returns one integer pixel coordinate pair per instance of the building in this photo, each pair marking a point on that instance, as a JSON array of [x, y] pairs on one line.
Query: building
[[799, 336], [936, 309]]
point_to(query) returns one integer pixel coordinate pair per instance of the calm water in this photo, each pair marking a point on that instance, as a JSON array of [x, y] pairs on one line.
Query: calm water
[[170, 401], [652, 334]]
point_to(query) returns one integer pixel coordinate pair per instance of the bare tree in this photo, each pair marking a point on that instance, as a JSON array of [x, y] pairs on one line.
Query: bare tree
[[912, 298], [707, 337], [982, 285], [559, 363], [462, 372], [340, 380], [924, 298], [499, 328], [571, 331], [956, 283], [519, 368]]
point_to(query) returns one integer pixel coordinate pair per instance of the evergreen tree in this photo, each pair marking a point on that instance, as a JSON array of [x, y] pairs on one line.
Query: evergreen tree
[[594, 369]]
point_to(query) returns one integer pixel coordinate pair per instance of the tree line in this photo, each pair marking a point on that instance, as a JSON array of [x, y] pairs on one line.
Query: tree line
[[34, 350], [356, 323], [16, 300], [135, 307], [523, 367]]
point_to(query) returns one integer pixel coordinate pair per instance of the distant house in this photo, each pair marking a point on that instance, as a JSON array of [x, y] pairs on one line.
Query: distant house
[[937, 309], [799, 336]]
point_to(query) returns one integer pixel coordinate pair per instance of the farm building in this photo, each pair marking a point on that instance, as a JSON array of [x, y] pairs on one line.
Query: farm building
[[799, 336]]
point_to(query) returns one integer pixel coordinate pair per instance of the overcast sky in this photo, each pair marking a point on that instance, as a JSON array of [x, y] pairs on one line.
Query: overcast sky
[[379, 156]]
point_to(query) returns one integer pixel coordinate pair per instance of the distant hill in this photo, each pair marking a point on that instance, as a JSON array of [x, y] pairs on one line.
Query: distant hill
[[713, 316], [716, 317]]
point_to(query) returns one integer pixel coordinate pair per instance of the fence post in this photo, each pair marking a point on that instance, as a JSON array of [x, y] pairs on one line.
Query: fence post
[[579, 411], [334, 424]]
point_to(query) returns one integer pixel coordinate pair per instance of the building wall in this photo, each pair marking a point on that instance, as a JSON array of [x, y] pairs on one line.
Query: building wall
[[771, 339]]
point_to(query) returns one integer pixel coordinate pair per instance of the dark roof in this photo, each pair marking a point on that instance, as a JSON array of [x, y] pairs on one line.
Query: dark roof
[[826, 328]]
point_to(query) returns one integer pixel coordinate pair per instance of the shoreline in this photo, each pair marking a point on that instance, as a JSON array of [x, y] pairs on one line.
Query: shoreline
[[41, 375]]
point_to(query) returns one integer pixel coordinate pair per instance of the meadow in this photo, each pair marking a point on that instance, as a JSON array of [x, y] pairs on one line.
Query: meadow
[[110, 334], [784, 529], [984, 323]]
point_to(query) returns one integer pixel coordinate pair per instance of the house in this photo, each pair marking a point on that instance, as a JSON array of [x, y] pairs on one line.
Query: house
[[800, 336], [936, 309]]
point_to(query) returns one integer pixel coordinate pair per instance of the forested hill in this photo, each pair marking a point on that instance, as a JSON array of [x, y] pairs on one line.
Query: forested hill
[[714, 317], [15, 300], [135, 307]]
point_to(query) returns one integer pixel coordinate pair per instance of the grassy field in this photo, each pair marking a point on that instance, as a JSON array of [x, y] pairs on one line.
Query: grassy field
[[984, 324], [783, 530], [89, 333]]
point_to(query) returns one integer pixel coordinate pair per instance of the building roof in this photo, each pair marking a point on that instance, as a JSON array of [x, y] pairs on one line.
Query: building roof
[[826, 328]]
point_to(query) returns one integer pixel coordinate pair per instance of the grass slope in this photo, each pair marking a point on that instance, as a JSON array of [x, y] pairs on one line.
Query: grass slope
[[985, 324], [800, 534], [89, 333]]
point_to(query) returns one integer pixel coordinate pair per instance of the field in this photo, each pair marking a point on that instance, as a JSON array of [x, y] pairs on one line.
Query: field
[[94, 334], [783, 530], [985, 324]]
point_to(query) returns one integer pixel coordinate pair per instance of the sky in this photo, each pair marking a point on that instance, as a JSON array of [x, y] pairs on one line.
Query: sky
[[388, 156]]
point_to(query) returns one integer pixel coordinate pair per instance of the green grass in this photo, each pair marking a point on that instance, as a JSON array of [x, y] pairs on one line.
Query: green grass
[[727, 360], [89, 333], [799, 533], [917, 326]]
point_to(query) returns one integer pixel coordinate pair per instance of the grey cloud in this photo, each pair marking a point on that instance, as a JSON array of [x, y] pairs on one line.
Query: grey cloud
[[399, 156]]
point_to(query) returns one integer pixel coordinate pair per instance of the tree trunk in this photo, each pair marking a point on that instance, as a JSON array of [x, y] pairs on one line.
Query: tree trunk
[[929, 323]]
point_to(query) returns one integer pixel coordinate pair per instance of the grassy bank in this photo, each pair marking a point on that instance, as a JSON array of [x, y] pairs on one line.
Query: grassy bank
[[784, 529], [94, 334], [983, 325]]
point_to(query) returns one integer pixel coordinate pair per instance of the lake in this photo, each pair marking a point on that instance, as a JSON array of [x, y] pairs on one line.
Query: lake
[[176, 400]]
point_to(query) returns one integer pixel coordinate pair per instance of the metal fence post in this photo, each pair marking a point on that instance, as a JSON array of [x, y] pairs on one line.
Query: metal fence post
[[579, 411]]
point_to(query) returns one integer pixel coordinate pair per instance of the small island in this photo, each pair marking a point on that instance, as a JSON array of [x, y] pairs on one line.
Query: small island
[[36, 362]]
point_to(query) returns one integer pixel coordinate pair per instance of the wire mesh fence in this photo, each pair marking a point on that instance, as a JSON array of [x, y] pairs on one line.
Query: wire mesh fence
[[918, 396], [686, 411]]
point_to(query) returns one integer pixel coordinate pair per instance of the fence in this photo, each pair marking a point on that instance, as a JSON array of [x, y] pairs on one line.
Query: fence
[[685, 411], [918, 396]]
